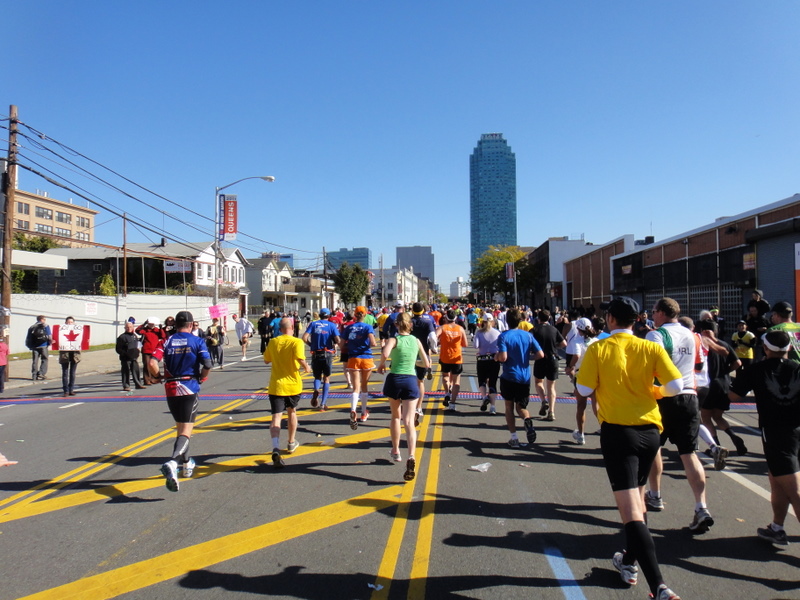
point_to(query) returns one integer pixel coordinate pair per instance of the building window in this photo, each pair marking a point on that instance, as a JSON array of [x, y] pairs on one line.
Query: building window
[[63, 232], [63, 217], [97, 267], [44, 213], [59, 272], [82, 222], [44, 228], [209, 272], [82, 236], [199, 270], [23, 208], [389, 286], [20, 224]]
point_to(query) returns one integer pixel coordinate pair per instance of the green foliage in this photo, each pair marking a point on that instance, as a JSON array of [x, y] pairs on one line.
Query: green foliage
[[351, 283], [18, 282], [33, 243], [105, 285], [73, 292], [488, 274]]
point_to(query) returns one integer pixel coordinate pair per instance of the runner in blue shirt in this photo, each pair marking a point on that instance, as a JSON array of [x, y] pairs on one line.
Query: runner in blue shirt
[[357, 341], [515, 349], [323, 337], [187, 364]]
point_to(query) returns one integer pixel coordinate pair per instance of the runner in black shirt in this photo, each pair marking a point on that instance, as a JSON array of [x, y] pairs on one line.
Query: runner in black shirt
[[550, 340], [776, 384]]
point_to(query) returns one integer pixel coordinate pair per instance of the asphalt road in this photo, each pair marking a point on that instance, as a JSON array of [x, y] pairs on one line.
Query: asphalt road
[[85, 513]]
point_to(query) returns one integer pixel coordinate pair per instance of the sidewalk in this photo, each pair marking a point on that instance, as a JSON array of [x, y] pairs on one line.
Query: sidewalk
[[92, 363]]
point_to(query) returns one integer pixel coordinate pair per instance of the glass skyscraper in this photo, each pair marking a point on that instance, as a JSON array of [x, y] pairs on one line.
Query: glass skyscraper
[[492, 195]]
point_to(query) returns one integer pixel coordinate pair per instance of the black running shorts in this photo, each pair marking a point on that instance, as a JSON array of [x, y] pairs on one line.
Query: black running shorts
[[782, 450], [321, 365], [546, 368], [717, 397], [518, 393], [279, 404], [454, 368], [628, 453], [488, 372], [183, 408], [680, 417]]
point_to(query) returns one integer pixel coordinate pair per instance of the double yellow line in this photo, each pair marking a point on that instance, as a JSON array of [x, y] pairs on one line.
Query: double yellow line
[[424, 534]]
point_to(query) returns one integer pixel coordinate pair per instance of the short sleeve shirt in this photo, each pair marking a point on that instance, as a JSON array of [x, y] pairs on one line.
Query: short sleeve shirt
[[321, 335], [184, 356], [356, 336], [284, 352], [776, 384], [519, 347]]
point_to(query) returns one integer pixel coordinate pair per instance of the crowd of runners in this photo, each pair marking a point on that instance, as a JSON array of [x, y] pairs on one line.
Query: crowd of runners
[[649, 377]]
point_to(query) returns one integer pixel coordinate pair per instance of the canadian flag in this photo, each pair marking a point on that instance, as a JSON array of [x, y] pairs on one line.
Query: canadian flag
[[71, 338]]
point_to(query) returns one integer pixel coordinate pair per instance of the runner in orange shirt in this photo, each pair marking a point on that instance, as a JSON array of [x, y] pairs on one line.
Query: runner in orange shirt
[[452, 338]]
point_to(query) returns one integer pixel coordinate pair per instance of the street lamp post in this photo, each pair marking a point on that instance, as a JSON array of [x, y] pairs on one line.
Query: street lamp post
[[216, 248], [514, 267]]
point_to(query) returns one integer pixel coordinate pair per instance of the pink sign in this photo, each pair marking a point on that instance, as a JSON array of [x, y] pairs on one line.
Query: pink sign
[[218, 311]]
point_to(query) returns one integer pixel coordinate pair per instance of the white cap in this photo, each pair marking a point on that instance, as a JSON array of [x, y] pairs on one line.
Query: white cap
[[583, 324]]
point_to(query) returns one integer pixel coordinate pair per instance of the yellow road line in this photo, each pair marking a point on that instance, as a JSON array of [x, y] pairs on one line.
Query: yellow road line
[[130, 487], [422, 548], [174, 564], [93, 467], [391, 552]]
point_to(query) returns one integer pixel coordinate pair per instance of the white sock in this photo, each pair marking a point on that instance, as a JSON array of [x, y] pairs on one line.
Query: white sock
[[775, 527], [699, 505], [276, 443], [353, 402], [514, 436], [706, 435], [364, 400]]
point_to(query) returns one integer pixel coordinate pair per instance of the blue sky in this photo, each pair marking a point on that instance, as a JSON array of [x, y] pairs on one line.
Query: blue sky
[[625, 117]]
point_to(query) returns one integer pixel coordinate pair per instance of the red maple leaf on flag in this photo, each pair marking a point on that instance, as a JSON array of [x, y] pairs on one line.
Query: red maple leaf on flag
[[72, 336]]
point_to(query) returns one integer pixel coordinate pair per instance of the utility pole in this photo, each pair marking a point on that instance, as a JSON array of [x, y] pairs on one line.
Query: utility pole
[[125, 254], [324, 280], [383, 293], [8, 222]]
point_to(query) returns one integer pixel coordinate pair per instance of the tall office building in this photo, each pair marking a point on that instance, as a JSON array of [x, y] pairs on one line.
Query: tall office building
[[492, 195], [420, 258], [360, 256]]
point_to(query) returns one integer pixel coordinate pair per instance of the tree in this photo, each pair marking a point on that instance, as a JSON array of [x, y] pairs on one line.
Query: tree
[[105, 285], [351, 283], [488, 274]]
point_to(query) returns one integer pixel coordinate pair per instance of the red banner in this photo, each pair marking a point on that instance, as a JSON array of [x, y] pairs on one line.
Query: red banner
[[73, 337], [230, 225]]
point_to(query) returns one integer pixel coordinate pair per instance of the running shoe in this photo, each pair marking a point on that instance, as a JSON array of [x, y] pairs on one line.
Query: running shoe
[[720, 455], [292, 446], [529, 430], [277, 461], [411, 465], [741, 449], [579, 438], [353, 420], [243, 359], [628, 573], [314, 400], [364, 416], [170, 471], [395, 456], [446, 401], [776, 537], [428, 374], [493, 411], [417, 417], [452, 407], [702, 521], [485, 404], [543, 410], [513, 442], [323, 407], [187, 468], [550, 416], [664, 593], [653, 502]]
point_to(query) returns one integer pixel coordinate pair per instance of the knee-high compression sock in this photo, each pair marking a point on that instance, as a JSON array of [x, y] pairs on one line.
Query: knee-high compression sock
[[317, 383], [181, 449], [705, 435], [353, 402], [325, 387], [642, 548], [364, 399]]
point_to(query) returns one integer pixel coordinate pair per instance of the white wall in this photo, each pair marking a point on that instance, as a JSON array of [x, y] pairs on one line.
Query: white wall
[[110, 312]]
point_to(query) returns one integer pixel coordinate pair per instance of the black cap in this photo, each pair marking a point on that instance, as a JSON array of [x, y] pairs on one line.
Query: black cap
[[622, 307], [784, 309], [183, 318]]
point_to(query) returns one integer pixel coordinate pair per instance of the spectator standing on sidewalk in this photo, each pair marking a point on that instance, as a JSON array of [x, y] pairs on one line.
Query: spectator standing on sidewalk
[[3, 363], [68, 359], [38, 341], [128, 351], [215, 337], [152, 336], [264, 330]]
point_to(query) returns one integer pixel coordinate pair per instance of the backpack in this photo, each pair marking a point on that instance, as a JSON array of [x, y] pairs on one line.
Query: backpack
[[37, 336], [212, 336]]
